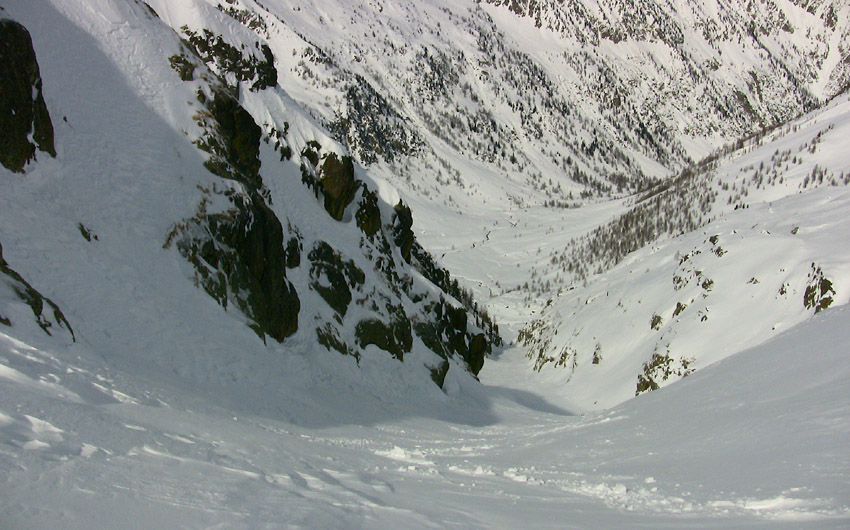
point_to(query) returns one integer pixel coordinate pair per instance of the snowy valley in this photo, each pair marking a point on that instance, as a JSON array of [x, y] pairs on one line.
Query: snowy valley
[[332, 264]]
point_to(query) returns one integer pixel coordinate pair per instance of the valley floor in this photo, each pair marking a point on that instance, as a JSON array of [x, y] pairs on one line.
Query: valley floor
[[757, 440]]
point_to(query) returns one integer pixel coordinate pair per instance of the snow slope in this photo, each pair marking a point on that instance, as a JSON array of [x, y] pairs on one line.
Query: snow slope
[[129, 172], [757, 440], [775, 227]]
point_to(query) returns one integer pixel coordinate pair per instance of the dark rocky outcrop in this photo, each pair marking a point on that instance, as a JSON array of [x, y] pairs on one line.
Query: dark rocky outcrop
[[448, 335], [438, 373], [47, 314], [403, 230], [22, 108], [332, 277], [338, 184], [293, 252], [239, 254], [477, 351], [331, 175], [311, 152], [239, 257], [368, 214], [395, 337], [266, 72], [660, 368], [472, 348], [236, 142], [328, 336], [819, 292]]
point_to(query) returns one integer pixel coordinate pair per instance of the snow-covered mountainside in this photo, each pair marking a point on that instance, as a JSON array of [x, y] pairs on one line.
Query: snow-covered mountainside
[[465, 117], [743, 247], [162, 179], [253, 255], [462, 104]]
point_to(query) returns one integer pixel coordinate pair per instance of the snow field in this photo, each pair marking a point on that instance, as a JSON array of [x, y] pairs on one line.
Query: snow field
[[768, 449]]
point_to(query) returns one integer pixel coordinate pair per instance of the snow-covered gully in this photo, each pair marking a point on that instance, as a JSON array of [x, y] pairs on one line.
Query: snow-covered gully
[[253, 256], [758, 440]]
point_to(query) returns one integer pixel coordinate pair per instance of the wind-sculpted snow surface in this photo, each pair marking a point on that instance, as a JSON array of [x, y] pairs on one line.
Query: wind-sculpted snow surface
[[757, 440]]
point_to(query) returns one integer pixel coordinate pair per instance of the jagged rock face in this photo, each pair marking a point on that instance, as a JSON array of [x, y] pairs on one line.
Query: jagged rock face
[[239, 257], [403, 230], [449, 335], [330, 174], [438, 373], [240, 138], [473, 348], [333, 278], [338, 184], [272, 301], [369, 214], [819, 293], [47, 314], [240, 254], [22, 108], [395, 337], [478, 350]]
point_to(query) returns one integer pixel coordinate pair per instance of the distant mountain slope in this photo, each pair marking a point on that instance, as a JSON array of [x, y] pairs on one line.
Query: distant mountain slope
[[806, 39], [727, 256], [537, 102]]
